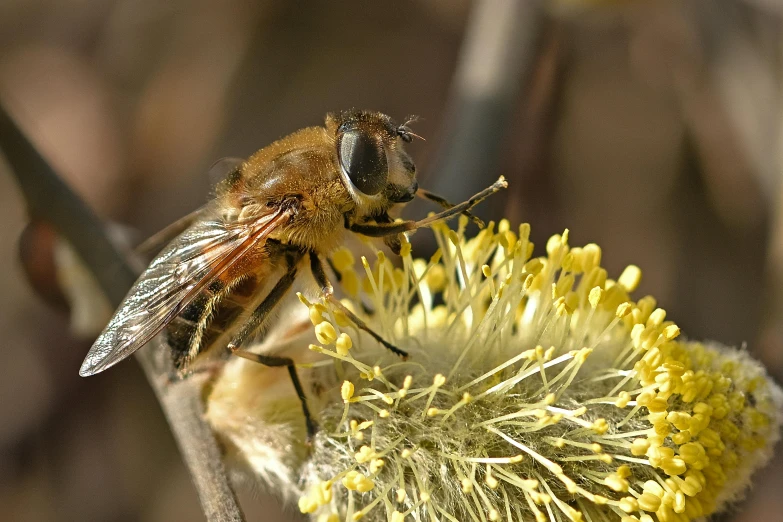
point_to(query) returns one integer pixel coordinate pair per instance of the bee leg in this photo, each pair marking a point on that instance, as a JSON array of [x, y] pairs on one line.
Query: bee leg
[[328, 290], [336, 273], [256, 320], [386, 229], [273, 361], [443, 202], [394, 242]]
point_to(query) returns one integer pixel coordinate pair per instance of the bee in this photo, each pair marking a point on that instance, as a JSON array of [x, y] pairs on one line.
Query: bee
[[277, 213]]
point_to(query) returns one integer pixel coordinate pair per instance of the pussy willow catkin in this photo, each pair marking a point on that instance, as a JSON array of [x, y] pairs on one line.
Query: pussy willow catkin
[[536, 389]]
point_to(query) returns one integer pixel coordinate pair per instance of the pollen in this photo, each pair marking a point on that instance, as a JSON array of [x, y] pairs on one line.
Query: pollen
[[325, 332], [347, 391], [343, 344]]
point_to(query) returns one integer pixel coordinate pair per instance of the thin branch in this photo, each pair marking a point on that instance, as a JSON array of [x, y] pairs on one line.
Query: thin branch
[[50, 199]]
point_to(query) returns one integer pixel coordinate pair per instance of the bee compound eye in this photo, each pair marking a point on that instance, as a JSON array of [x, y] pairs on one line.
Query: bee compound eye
[[363, 160]]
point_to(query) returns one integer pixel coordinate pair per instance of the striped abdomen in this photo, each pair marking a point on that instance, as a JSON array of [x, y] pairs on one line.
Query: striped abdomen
[[209, 318]]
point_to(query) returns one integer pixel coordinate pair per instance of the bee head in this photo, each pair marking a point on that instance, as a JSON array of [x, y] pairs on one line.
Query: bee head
[[373, 162]]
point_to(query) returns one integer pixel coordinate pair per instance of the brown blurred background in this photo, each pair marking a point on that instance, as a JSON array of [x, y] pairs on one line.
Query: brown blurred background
[[651, 128]]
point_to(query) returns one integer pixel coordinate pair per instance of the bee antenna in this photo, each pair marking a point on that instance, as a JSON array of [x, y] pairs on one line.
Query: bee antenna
[[405, 131], [410, 119]]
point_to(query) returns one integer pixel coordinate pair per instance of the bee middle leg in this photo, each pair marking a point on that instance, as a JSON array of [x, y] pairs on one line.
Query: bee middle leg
[[317, 268], [255, 321]]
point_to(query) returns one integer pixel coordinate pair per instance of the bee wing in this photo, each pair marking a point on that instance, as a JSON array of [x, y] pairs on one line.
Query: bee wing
[[155, 243], [185, 267]]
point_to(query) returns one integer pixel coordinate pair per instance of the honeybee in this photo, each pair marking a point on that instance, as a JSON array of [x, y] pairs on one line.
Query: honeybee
[[289, 204]]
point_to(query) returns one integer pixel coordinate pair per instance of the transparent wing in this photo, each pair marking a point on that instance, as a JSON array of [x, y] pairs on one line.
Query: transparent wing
[[222, 168], [155, 243], [190, 263]]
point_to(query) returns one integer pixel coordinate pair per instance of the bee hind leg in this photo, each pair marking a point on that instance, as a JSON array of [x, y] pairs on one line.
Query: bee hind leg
[[255, 321], [317, 268], [269, 360]]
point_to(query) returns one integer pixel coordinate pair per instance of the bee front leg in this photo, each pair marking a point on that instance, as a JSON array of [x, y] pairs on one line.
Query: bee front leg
[[444, 203], [387, 229], [255, 321], [393, 241], [319, 274]]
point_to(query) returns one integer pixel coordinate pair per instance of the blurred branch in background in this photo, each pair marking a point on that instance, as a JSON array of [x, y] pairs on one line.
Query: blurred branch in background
[[51, 200], [498, 51]]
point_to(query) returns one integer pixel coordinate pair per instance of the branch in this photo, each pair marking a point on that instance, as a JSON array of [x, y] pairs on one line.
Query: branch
[[50, 199]]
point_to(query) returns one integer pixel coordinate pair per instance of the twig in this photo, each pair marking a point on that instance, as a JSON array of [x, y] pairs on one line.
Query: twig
[[182, 403], [50, 199]]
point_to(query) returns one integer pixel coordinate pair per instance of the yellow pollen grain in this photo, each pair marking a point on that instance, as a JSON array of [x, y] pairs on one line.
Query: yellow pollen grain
[[307, 505], [623, 309], [623, 399], [630, 278], [340, 318], [487, 271], [405, 247], [343, 344], [492, 482], [600, 426], [649, 502], [628, 504], [365, 454], [315, 313], [596, 296], [346, 390], [325, 333], [376, 465], [303, 299], [671, 332], [355, 481], [591, 257], [656, 317], [350, 282], [616, 482], [342, 259]]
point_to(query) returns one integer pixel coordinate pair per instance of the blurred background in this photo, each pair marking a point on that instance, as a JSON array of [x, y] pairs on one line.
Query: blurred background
[[651, 128]]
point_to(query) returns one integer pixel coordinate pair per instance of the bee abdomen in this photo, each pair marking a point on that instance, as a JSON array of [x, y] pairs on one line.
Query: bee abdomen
[[204, 320]]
